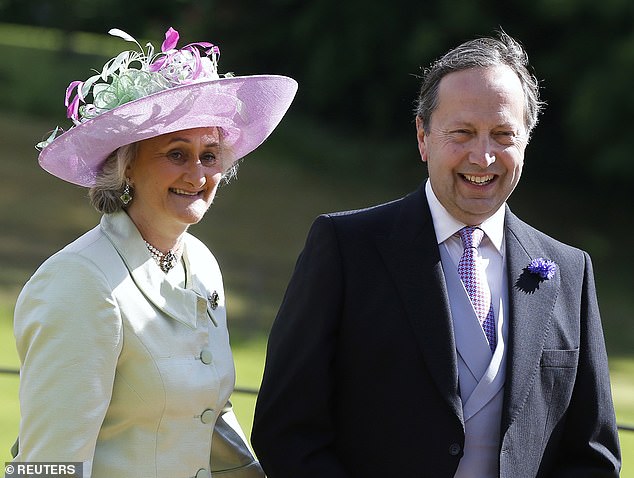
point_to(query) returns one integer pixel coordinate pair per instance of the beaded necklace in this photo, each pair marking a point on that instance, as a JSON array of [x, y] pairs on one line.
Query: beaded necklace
[[166, 261]]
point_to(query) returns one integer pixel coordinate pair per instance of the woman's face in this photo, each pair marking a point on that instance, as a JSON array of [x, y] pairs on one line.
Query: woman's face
[[174, 179]]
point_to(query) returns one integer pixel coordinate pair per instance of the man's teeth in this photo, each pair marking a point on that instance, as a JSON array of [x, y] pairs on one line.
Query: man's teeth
[[478, 179]]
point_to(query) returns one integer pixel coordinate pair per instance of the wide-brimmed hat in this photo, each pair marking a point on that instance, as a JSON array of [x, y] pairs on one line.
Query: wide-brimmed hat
[[140, 95]]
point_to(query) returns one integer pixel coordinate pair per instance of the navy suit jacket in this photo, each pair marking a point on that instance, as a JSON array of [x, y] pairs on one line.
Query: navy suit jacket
[[361, 375]]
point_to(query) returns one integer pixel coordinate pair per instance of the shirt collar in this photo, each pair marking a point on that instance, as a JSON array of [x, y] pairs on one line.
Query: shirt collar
[[445, 225]]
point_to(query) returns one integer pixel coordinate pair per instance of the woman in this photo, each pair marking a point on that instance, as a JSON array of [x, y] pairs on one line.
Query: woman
[[122, 335]]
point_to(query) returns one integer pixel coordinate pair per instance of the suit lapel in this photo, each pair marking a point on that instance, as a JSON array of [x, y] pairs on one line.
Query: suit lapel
[[531, 304], [412, 257]]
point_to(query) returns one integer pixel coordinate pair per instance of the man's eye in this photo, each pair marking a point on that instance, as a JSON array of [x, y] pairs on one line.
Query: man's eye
[[506, 137], [461, 134]]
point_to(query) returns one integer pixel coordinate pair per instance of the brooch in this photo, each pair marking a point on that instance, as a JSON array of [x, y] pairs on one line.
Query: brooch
[[213, 300]]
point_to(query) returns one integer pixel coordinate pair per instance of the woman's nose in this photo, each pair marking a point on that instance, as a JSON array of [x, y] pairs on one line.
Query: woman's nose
[[195, 174]]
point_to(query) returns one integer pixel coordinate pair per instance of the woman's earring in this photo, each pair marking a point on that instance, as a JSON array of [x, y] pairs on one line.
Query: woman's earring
[[126, 197]]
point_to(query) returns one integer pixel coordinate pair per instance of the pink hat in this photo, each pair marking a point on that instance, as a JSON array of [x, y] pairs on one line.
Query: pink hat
[[171, 91]]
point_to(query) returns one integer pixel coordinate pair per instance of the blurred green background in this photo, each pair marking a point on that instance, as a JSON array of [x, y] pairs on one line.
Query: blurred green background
[[347, 142]]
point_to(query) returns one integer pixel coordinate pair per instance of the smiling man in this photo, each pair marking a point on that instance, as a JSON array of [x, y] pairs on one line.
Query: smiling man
[[475, 140], [439, 335]]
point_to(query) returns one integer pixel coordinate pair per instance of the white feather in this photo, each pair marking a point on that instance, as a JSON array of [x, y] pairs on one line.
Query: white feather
[[121, 34]]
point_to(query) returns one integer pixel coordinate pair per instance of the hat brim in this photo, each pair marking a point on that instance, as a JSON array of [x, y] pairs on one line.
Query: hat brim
[[247, 108]]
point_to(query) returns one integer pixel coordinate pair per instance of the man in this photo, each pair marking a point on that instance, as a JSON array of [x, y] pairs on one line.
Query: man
[[400, 352]]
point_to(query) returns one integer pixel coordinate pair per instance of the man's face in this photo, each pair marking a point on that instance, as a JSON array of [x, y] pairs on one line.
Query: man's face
[[475, 145]]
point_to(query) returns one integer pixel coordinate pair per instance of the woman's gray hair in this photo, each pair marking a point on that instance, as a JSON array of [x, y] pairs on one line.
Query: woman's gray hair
[[481, 53], [105, 195]]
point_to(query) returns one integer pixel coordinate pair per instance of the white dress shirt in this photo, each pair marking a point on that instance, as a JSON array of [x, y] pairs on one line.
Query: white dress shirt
[[481, 375], [491, 248]]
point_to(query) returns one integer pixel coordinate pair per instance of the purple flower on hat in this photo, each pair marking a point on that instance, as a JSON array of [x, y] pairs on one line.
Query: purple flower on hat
[[185, 65], [544, 268], [171, 39], [135, 74]]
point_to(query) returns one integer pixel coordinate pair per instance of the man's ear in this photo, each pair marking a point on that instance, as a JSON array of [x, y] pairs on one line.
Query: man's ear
[[422, 139]]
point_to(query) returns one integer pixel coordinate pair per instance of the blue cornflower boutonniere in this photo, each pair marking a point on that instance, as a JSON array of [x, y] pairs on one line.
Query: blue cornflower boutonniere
[[538, 271], [544, 268]]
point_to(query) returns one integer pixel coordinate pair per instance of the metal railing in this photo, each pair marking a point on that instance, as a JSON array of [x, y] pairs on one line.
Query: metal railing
[[255, 391]]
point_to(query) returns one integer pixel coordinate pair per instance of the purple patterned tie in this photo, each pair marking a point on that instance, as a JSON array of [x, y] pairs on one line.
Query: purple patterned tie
[[471, 272]]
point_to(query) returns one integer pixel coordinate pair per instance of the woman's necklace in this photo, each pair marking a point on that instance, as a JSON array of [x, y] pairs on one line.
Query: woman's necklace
[[166, 261]]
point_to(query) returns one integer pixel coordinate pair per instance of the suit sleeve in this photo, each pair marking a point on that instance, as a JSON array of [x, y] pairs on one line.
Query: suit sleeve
[[68, 336], [590, 444], [294, 428]]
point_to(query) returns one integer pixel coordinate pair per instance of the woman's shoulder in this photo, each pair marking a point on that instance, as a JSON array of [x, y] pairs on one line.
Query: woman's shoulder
[[68, 287], [87, 258]]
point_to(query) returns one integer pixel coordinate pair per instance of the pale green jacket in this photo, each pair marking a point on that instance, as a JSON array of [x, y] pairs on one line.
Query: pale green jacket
[[120, 369]]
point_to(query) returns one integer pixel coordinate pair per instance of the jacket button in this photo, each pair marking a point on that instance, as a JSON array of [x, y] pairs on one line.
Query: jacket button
[[207, 416], [202, 473], [206, 356], [454, 449]]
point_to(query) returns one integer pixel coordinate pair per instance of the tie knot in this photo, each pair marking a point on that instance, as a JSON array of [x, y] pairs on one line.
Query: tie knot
[[471, 236]]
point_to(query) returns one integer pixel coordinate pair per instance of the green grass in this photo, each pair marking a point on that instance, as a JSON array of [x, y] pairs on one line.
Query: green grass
[[9, 408], [257, 228]]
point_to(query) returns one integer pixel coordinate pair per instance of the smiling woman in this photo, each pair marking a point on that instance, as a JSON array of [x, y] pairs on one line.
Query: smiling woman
[[172, 178], [124, 330]]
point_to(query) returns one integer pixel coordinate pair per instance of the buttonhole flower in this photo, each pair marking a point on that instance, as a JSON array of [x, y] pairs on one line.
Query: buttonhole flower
[[544, 268]]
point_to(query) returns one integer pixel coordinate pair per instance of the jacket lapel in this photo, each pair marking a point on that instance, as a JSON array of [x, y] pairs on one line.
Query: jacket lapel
[[411, 255], [182, 305], [531, 304]]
